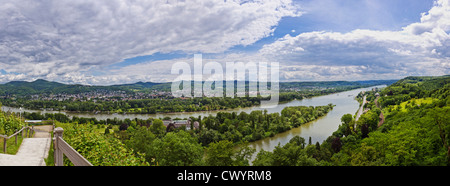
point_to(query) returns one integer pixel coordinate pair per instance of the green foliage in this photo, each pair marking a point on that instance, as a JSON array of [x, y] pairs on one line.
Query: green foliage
[[416, 87], [9, 123], [346, 119], [416, 130], [141, 140], [291, 154], [19, 94], [158, 127], [256, 125], [100, 150], [224, 153], [220, 134], [413, 139], [177, 149], [220, 153], [370, 119]]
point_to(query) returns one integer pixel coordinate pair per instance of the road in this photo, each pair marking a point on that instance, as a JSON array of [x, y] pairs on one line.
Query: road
[[360, 111]]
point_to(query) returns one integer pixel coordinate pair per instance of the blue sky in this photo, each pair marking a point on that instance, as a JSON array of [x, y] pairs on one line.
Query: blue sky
[[328, 15], [113, 42]]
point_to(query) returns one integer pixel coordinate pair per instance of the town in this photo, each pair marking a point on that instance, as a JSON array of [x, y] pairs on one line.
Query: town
[[103, 95]]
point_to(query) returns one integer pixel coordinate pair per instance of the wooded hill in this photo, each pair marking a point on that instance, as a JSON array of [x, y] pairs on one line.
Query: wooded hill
[[40, 86], [416, 131]]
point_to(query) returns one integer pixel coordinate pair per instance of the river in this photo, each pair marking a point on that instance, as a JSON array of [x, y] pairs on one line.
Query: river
[[318, 129]]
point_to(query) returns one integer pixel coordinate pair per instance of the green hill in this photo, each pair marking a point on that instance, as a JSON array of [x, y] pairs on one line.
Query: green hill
[[416, 130], [40, 86]]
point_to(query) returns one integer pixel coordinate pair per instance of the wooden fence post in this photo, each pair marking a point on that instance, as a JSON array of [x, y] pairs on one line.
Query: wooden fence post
[[58, 132], [31, 131], [4, 145]]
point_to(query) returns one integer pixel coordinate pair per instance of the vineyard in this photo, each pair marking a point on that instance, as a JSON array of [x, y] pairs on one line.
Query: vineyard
[[9, 124], [97, 148]]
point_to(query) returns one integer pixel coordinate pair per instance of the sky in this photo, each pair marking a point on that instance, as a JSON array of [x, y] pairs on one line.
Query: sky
[[105, 42]]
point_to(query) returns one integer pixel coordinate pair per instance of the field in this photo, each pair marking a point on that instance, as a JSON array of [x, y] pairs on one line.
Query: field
[[414, 102]]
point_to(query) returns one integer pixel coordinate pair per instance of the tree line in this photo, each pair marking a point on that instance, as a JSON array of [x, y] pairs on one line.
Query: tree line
[[168, 104], [417, 135], [217, 136]]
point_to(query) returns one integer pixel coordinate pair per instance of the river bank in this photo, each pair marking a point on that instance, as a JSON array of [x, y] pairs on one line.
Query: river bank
[[318, 129], [321, 128]]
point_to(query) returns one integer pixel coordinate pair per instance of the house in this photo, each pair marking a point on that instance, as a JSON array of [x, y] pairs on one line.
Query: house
[[180, 123]]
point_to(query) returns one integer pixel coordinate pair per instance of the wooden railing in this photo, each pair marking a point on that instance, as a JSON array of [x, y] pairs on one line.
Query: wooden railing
[[61, 148], [28, 132]]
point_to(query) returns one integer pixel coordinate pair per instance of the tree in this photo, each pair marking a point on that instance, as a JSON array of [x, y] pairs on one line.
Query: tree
[[177, 149], [107, 130], [208, 136], [291, 154], [441, 119], [287, 155], [170, 128], [123, 127], [141, 140], [220, 153], [242, 155], [364, 131], [157, 127], [336, 145], [365, 157], [370, 118], [299, 141], [263, 158], [346, 119]]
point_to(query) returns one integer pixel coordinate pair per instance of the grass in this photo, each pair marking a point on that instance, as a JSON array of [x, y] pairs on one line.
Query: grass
[[11, 147], [50, 160], [414, 102]]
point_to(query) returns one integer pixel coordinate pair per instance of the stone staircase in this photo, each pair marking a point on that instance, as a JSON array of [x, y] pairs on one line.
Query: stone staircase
[[32, 151]]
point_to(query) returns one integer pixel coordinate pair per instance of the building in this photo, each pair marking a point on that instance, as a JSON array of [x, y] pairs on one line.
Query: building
[[180, 123]]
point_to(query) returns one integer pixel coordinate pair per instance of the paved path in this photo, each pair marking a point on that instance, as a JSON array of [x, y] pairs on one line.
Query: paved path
[[360, 111], [32, 151], [381, 114]]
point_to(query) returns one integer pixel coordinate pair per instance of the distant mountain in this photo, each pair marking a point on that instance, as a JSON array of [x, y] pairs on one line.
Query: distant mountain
[[139, 84], [380, 82], [40, 86]]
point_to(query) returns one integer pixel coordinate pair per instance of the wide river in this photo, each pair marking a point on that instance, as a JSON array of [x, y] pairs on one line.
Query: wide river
[[318, 129]]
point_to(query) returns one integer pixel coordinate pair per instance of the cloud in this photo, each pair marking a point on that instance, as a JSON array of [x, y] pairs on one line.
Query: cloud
[[421, 48], [42, 37], [80, 41]]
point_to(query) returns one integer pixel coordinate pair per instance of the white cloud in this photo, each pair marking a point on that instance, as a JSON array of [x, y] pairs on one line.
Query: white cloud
[[421, 48], [67, 40], [40, 37]]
